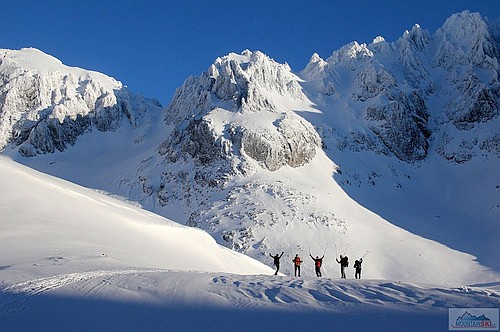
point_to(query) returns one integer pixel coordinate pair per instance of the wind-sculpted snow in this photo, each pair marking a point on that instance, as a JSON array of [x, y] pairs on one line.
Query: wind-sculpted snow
[[254, 292], [101, 297], [45, 106]]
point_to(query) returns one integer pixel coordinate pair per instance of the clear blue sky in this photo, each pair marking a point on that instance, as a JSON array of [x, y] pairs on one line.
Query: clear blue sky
[[153, 46]]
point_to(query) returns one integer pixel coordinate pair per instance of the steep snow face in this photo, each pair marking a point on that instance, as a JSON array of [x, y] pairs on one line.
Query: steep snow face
[[466, 50], [45, 106], [363, 84]]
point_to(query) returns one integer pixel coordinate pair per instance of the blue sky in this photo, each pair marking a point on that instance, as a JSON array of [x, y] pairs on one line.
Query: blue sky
[[153, 46]]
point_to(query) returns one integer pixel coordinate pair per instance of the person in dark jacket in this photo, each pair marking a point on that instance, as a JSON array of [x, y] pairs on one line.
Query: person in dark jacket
[[344, 262], [317, 264], [296, 263], [276, 261], [357, 267]]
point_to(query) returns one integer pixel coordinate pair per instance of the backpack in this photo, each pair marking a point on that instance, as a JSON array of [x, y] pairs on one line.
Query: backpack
[[345, 261]]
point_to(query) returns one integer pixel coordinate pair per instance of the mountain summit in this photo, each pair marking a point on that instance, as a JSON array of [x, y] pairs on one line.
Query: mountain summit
[[45, 106]]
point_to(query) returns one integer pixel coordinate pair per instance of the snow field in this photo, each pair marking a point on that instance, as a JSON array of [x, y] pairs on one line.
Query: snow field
[[77, 260]]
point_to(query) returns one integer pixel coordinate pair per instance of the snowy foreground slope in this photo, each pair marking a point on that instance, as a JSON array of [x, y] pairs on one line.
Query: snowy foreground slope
[[44, 218], [75, 260]]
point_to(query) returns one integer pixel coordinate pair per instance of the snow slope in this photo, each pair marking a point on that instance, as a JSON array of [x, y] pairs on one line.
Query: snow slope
[[46, 220], [298, 210], [75, 260]]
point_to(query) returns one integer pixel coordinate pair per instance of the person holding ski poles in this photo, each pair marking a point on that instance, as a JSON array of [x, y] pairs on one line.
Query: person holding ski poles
[[296, 262], [317, 264], [344, 262], [277, 261], [357, 267]]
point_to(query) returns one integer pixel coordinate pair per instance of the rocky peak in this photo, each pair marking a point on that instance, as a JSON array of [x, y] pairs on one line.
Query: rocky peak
[[380, 46], [238, 86], [409, 46], [320, 74], [243, 82], [45, 105], [350, 55], [418, 37], [465, 38]]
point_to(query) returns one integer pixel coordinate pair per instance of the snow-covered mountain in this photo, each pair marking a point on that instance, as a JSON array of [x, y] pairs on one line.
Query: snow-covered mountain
[[421, 94], [45, 105], [388, 150]]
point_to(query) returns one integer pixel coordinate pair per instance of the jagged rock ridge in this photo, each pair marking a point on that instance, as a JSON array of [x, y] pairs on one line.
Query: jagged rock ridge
[[409, 90]]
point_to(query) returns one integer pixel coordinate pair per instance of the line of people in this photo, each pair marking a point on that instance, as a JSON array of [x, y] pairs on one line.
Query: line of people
[[318, 262]]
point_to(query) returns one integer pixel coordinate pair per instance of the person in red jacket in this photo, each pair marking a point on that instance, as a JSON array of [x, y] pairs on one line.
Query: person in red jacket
[[296, 262], [317, 264]]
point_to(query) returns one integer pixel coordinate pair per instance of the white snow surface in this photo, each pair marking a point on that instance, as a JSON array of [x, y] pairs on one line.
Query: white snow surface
[[64, 221], [76, 260], [34, 60], [426, 228]]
